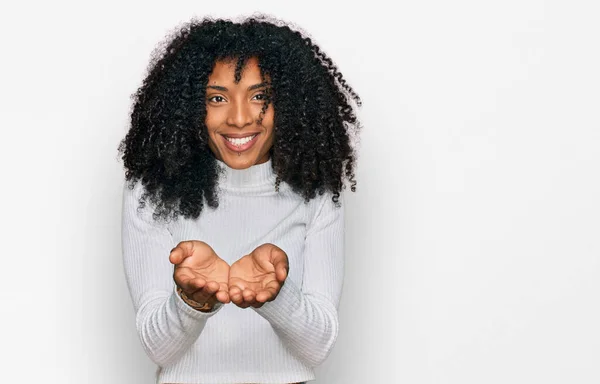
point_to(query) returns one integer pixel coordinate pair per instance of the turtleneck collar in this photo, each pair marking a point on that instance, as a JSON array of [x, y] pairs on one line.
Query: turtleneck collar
[[258, 175]]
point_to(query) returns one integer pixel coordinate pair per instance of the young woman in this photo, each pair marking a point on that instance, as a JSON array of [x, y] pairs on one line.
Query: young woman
[[233, 222]]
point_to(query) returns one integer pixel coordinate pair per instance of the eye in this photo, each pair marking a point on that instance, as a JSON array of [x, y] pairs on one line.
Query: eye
[[216, 99], [260, 96]]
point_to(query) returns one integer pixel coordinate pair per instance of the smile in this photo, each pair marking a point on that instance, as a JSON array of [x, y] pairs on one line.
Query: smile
[[240, 144]]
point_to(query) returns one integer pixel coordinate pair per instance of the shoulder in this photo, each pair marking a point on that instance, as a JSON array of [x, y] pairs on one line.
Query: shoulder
[[325, 207]]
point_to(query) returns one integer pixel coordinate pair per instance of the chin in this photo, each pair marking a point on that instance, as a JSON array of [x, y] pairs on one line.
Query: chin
[[239, 163]]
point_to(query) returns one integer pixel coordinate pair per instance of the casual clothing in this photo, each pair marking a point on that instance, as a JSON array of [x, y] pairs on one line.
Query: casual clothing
[[282, 341]]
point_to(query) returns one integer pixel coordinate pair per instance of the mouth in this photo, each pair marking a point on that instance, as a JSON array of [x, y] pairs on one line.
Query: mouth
[[240, 144]]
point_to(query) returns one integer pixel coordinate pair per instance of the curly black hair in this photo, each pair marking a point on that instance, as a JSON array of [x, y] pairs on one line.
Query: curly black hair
[[166, 146]]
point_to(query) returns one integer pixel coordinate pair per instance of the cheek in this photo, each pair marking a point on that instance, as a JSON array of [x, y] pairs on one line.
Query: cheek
[[268, 118], [212, 119]]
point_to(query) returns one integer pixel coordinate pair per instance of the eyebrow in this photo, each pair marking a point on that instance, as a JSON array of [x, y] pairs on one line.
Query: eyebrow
[[250, 88]]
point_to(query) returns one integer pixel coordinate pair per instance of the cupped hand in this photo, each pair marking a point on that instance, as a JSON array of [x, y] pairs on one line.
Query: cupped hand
[[257, 277], [200, 272]]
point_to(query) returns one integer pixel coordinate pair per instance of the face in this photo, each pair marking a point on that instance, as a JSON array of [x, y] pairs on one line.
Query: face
[[232, 112]]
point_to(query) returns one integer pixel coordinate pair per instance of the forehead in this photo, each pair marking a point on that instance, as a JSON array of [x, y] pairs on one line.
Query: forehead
[[224, 71]]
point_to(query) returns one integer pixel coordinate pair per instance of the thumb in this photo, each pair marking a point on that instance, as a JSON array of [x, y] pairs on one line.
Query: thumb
[[183, 250], [280, 262], [281, 273]]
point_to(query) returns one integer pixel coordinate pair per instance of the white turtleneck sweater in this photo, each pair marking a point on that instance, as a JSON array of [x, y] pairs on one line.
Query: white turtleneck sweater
[[282, 341]]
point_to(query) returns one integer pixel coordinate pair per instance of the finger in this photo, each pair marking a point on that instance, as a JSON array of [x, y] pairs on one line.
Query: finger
[[264, 262], [223, 297], [235, 290], [249, 295], [254, 304], [176, 256], [281, 272], [192, 285], [278, 262], [206, 293], [264, 296], [182, 273], [270, 291], [183, 250], [281, 264], [211, 288], [223, 293], [235, 294], [241, 303]]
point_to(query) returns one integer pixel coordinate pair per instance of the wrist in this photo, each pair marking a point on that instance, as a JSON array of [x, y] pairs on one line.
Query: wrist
[[202, 307]]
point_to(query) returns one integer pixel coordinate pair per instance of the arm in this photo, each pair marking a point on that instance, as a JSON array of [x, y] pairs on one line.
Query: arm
[[305, 318], [166, 325]]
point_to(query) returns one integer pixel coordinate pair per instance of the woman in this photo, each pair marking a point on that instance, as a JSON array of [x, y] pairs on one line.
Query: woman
[[233, 224]]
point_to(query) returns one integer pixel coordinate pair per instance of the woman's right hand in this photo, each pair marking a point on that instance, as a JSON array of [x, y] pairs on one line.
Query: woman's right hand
[[200, 273]]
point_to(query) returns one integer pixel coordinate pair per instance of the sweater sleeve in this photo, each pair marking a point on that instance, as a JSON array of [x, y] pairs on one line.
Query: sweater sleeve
[[166, 325], [305, 318]]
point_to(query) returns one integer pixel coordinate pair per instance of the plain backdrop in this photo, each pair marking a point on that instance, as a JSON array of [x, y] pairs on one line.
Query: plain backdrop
[[472, 242]]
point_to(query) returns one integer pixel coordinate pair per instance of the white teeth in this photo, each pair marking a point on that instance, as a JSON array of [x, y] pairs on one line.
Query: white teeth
[[242, 141]]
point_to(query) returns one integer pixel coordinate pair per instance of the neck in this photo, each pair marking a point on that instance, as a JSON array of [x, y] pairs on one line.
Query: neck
[[254, 176]]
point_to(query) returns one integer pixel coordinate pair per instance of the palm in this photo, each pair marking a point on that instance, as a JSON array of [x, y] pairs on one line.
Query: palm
[[199, 271], [213, 269], [258, 277], [247, 273]]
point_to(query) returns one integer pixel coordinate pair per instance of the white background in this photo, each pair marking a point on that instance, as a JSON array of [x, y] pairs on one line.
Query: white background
[[472, 242]]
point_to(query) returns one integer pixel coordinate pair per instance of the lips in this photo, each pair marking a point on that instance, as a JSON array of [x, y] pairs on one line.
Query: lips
[[243, 147], [239, 135]]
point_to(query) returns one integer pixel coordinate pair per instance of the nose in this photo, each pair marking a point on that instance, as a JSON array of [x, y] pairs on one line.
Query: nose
[[240, 115]]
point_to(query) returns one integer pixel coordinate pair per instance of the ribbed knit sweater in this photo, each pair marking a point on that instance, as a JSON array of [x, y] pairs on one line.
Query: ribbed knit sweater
[[282, 341]]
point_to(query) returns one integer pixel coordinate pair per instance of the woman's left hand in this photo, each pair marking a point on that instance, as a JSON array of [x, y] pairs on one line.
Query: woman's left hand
[[257, 277]]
